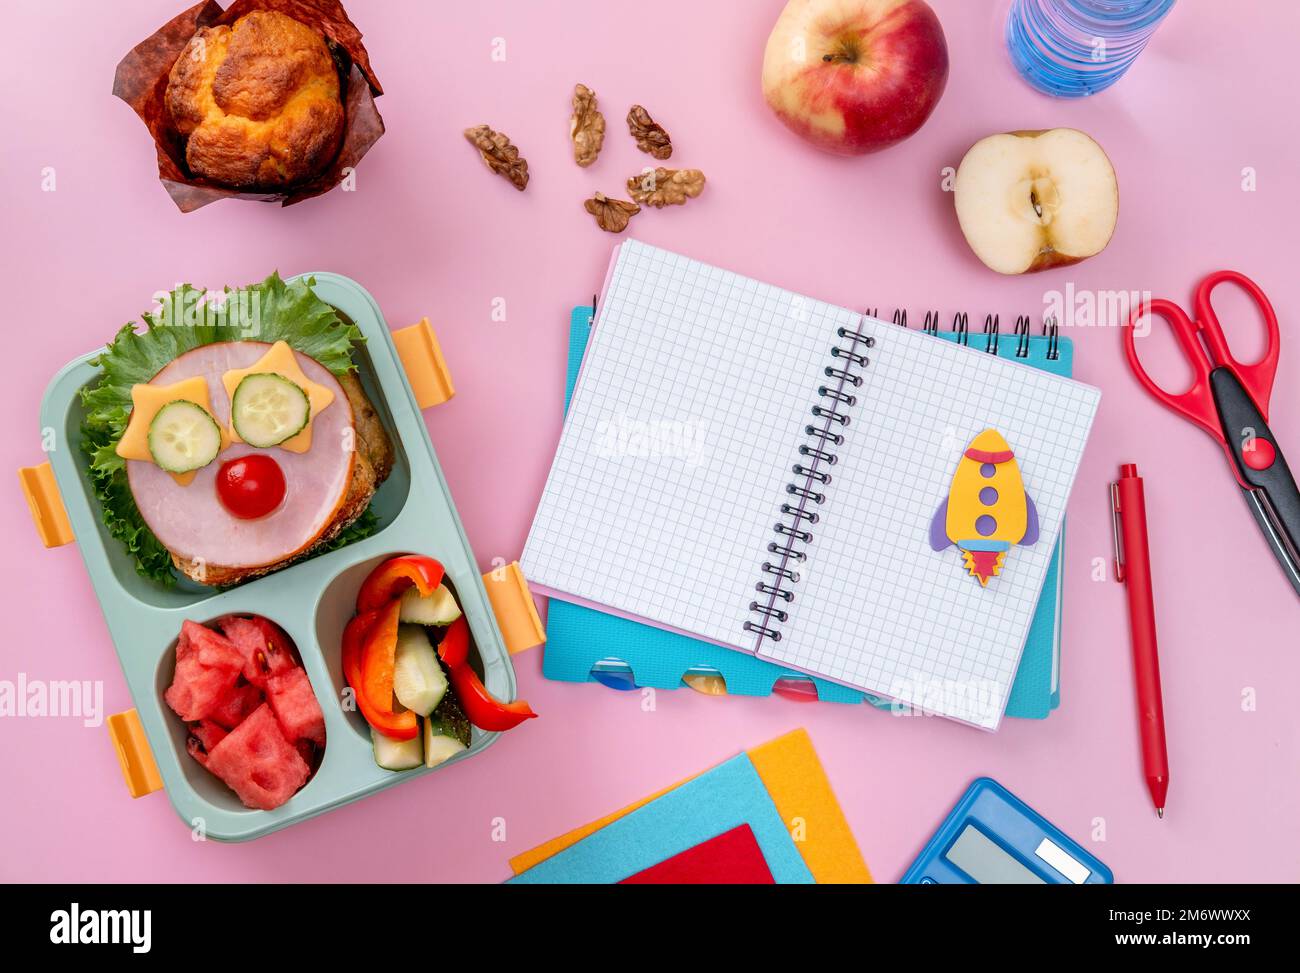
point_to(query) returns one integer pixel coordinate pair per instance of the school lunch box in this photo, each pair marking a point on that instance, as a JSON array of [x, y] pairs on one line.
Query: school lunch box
[[311, 600]]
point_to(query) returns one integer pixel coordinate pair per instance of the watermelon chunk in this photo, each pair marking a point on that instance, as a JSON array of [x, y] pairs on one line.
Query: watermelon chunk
[[236, 704], [204, 735], [262, 645], [207, 668], [258, 763], [208, 647], [307, 750], [184, 649], [281, 655], [290, 695]]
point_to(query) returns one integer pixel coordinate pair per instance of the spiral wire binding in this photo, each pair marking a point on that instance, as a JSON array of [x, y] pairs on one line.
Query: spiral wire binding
[[811, 472], [818, 455], [1022, 336], [991, 333], [992, 328], [1052, 333], [961, 327]]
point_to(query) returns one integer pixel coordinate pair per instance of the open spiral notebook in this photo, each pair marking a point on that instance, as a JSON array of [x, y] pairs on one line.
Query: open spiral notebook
[[709, 421]]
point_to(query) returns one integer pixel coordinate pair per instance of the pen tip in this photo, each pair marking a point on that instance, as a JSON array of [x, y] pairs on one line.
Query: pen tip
[[1160, 812]]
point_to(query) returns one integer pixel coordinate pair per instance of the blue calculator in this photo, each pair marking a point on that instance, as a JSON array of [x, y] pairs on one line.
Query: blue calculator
[[993, 837]]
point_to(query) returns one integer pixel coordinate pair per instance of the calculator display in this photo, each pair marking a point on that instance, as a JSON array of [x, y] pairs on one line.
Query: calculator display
[[987, 862]]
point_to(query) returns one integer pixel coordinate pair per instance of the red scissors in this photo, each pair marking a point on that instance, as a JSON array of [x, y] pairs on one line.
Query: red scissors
[[1229, 400]]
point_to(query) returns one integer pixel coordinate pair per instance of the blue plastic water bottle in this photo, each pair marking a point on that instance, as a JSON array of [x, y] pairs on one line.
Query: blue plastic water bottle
[[1072, 48]]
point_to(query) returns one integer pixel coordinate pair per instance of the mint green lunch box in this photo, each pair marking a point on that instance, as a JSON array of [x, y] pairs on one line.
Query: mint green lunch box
[[311, 600]]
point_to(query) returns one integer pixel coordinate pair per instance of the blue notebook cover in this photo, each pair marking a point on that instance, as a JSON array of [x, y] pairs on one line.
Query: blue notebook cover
[[578, 637]]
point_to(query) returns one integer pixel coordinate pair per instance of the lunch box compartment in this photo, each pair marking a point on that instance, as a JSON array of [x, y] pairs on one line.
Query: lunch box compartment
[[387, 503], [336, 608], [207, 786], [311, 600]]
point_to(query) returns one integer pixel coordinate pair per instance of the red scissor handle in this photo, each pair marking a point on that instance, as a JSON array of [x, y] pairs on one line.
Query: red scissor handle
[[1257, 378], [1197, 403]]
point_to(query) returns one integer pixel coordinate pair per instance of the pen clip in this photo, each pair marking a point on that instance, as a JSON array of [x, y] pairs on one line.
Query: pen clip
[[1116, 542]]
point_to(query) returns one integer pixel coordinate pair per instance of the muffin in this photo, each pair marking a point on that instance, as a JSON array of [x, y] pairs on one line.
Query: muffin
[[258, 102]]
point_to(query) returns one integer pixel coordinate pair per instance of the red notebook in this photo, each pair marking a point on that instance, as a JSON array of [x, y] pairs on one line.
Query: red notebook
[[732, 858]]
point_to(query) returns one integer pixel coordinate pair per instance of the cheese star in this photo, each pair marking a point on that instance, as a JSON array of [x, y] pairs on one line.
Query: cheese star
[[146, 400], [280, 360]]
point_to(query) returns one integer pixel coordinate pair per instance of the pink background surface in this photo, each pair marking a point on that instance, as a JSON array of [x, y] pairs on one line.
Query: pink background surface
[[429, 231]]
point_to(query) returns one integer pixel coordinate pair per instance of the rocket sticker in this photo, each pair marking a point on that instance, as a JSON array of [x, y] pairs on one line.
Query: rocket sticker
[[987, 509]]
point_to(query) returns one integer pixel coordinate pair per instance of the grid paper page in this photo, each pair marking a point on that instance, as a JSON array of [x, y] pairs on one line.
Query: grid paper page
[[673, 462], [876, 607]]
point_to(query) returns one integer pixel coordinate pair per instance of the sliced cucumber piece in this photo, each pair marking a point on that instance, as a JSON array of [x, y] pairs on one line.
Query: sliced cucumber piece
[[418, 680], [437, 745], [397, 754], [183, 437], [267, 409], [450, 720], [439, 608]]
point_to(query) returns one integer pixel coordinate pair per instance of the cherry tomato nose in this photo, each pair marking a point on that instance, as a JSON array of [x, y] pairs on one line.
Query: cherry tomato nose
[[251, 486]]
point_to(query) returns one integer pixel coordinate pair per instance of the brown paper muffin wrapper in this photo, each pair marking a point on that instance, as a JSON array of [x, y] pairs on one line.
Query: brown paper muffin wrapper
[[141, 81]]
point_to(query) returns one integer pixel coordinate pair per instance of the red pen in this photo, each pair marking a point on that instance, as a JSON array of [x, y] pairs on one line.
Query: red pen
[[1133, 568]]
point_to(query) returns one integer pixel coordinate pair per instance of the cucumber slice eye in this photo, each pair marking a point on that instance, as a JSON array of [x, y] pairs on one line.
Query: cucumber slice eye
[[267, 409], [183, 437]]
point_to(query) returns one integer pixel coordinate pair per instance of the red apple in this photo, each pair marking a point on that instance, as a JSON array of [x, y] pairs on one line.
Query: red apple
[[855, 76]]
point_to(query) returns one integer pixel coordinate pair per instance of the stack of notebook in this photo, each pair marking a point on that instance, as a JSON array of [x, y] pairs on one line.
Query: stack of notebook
[[766, 816], [701, 418]]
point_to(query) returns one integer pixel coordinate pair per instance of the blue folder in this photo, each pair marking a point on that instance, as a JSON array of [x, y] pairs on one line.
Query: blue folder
[[579, 640]]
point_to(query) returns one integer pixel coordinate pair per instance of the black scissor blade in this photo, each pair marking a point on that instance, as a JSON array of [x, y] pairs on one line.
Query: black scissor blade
[[1272, 493], [1275, 533]]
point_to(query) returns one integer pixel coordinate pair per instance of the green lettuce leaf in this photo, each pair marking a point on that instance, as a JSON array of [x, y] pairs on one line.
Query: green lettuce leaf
[[363, 526], [189, 318]]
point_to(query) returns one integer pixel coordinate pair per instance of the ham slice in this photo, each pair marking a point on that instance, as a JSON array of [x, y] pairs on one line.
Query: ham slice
[[192, 522]]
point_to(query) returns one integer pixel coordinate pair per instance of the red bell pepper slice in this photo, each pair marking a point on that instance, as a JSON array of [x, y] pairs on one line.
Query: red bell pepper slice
[[483, 709], [378, 657], [398, 726], [454, 648], [390, 579], [354, 636]]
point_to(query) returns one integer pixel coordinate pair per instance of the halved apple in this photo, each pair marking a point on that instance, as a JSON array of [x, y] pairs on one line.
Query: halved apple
[[1028, 201]]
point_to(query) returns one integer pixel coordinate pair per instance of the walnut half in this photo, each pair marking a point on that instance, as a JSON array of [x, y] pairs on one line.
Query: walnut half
[[586, 126], [612, 215], [649, 134], [499, 154], [666, 187]]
